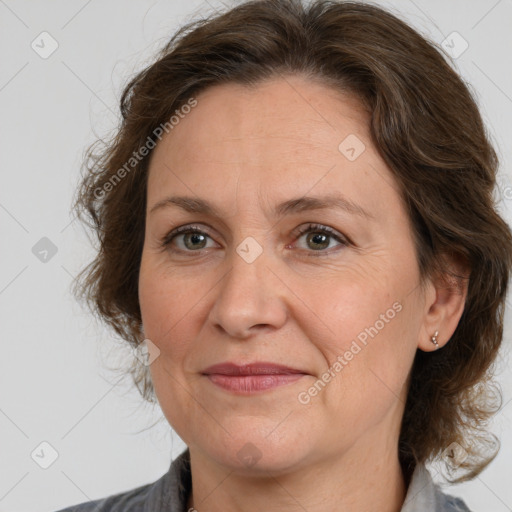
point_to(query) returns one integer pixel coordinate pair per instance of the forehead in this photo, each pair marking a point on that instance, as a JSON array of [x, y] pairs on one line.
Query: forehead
[[289, 112], [277, 139]]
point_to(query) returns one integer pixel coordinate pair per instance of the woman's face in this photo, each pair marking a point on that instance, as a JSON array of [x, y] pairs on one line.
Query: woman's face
[[343, 310]]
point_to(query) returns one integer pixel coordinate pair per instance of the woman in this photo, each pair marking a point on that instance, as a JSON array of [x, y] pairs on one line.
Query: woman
[[334, 328]]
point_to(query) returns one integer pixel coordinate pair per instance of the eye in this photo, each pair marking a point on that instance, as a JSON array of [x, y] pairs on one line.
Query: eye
[[192, 238], [195, 239], [319, 238]]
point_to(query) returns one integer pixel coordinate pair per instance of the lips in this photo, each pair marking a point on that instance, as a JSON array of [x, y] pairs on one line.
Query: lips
[[251, 378], [260, 368]]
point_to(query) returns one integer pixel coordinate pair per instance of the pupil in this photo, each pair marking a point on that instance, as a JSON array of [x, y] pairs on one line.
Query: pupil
[[315, 236], [194, 237]]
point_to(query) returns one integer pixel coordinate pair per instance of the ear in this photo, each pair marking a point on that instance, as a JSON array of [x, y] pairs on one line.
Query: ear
[[445, 298]]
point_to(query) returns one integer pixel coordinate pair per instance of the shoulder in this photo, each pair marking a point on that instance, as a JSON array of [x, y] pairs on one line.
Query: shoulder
[[170, 492], [129, 501]]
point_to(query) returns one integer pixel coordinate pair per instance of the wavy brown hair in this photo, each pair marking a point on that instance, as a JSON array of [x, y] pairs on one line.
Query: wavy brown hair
[[427, 128]]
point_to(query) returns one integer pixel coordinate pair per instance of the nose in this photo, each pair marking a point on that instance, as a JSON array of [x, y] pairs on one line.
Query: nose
[[250, 298]]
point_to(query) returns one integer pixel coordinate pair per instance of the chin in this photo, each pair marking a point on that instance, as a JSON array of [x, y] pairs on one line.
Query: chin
[[253, 453]]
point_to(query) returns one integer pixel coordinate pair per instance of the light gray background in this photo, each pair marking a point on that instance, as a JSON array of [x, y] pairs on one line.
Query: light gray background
[[55, 382]]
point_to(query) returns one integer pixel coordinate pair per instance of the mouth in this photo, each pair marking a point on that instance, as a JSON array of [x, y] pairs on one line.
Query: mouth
[[252, 378]]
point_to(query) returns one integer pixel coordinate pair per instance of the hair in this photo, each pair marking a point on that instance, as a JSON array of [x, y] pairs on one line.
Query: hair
[[427, 128]]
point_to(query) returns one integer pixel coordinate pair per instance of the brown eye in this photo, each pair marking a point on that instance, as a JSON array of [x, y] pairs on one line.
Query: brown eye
[[318, 237]]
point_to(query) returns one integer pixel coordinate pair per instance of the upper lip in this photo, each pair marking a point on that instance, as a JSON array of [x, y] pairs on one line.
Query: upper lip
[[256, 368]]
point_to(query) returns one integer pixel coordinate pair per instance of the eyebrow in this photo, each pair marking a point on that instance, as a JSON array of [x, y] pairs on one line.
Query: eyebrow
[[296, 205]]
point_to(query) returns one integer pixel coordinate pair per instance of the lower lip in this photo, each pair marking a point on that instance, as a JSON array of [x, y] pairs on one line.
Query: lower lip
[[247, 384]]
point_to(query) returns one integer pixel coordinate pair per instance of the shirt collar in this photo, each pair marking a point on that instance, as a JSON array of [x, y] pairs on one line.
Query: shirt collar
[[421, 493]]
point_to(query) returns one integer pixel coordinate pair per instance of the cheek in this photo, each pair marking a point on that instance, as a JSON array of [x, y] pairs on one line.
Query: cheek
[[167, 313], [367, 335], [166, 308], [347, 310]]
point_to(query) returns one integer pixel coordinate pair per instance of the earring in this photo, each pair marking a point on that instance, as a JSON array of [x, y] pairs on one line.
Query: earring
[[434, 340]]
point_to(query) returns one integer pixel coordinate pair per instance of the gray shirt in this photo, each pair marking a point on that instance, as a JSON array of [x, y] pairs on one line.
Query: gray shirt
[[170, 494]]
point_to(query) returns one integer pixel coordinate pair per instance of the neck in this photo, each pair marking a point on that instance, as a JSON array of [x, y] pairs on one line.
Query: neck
[[367, 478]]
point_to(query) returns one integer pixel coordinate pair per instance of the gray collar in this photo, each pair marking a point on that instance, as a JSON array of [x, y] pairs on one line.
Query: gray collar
[[424, 494], [421, 493]]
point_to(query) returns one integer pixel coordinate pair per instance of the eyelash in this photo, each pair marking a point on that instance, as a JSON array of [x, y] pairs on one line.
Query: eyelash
[[315, 228]]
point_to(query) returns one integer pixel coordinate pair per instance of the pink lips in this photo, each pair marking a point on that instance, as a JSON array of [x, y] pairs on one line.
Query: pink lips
[[250, 378]]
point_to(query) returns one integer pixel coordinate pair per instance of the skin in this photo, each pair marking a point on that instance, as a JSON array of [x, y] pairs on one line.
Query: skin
[[245, 150]]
